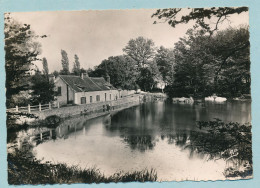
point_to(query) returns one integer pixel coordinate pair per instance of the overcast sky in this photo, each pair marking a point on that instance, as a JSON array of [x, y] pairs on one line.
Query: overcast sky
[[96, 35]]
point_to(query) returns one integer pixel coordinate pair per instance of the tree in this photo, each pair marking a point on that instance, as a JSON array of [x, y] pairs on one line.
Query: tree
[[149, 76], [55, 73], [193, 73], [45, 66], [64, 62], [76, 66], [231, 49], [42, 89], [226, 48], [212, 64], [175, 16], [141, 50], [164, 59], [21, 50], [121, 69]]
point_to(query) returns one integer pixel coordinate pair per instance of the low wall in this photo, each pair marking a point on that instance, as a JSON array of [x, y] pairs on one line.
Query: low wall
[[91, 108], [124, 93]]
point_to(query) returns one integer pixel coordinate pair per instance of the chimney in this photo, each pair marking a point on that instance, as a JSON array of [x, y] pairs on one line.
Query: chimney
[[107, 78], [51, 77], [83, 75]]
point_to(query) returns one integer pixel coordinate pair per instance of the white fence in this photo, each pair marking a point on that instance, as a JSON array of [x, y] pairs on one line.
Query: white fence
[[55, 105], [29, 108]]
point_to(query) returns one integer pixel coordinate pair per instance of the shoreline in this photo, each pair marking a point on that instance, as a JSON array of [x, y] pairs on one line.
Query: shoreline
[[52, 117]]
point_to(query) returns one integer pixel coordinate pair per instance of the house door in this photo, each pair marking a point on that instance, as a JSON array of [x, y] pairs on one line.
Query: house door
[[90, 99], [105, 97], [83, 100]]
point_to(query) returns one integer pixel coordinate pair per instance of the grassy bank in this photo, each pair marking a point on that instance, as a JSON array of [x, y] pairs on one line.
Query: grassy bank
[[24, 169]]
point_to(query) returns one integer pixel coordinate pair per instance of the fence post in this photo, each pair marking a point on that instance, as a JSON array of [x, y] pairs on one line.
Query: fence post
[[49, 105], [40, 107], [29, 108], [58, 104], [16, 108]]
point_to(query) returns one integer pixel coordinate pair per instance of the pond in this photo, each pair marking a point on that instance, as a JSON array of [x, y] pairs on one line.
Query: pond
[[149, 136]]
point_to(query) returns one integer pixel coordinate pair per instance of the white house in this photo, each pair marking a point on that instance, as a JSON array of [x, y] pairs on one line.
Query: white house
[[84, 89]]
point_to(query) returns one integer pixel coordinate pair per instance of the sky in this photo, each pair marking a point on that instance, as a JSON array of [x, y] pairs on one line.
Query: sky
[[97, 35]]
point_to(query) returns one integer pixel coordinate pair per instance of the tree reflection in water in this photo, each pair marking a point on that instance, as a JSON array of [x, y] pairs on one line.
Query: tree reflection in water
[[140, 142], [146, 129], [214, 139], [229, 141], [218, 140]]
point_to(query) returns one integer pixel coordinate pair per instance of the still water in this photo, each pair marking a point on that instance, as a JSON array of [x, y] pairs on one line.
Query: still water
[[152, 135]]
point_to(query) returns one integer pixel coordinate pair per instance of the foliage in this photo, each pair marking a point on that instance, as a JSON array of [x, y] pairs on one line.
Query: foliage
[[76, 66], [141, 50], [23, 168], [42, 89], [55, 73], [22, 98], [21, 50], [121, 69], [202, 16], [164, 59], [194, 67], [140, 142], [219, 140], [149, 77], [232, 53], [65, 63], [230, 141], [212, 64], [45, 67], [11, 118]]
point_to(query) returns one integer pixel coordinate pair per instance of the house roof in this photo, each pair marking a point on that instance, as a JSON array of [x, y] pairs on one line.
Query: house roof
[[87, 83]]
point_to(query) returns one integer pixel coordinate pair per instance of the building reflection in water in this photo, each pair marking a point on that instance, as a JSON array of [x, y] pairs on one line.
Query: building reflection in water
[[143, 128]]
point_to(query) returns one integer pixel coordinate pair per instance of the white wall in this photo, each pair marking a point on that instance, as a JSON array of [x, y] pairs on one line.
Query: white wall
[[124, 93], [63, 98], [114, 94]]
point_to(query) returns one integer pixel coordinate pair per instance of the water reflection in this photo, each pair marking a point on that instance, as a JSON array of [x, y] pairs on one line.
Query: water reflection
[[154, 135]]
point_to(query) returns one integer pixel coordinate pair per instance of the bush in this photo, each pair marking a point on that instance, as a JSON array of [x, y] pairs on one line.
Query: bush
[[24, 169]]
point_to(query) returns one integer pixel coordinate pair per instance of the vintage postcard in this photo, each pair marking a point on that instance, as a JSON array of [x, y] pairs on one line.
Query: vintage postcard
[[148, 95]]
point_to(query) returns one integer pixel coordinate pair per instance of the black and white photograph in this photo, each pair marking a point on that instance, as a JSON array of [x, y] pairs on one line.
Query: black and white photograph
[[134, 95]]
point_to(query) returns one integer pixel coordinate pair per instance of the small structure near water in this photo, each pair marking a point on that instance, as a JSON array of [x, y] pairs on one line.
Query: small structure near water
[[215, 98], [183, 100]]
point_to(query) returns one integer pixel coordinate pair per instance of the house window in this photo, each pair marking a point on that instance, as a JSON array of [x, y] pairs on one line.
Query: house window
[[90, 99], [105, 97], [98, 98], [83, 100], [59, 91], [110, 97]]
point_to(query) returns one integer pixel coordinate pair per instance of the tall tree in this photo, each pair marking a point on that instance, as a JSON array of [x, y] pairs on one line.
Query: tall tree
[[141, 50], [121, 69], [64, 62], [232, 51], [45, 66], [76, 65], [21, 50], [164, 59]]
